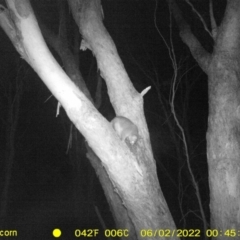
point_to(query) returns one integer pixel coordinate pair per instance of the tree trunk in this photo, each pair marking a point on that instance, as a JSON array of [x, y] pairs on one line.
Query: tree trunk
[[223, 141], [223, 144], [131, 169]]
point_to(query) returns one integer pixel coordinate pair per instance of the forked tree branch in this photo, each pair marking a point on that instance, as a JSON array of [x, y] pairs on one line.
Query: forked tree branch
[[198, 52]]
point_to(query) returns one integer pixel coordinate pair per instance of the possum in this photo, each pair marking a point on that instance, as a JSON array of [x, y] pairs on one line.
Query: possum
[[125, 129]]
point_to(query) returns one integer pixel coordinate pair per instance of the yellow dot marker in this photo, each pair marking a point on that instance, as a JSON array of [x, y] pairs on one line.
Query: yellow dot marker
[[57, 232]]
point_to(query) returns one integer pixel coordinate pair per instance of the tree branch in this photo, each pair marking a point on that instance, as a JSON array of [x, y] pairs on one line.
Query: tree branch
[[213, 22], [229, 36], [198, 52], [200, 17]]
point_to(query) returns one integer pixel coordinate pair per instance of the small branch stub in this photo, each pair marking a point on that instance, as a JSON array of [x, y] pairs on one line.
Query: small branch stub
[[145, 90]]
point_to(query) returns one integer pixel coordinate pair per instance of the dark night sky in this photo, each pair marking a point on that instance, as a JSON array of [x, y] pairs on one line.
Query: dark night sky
[[47, 189]]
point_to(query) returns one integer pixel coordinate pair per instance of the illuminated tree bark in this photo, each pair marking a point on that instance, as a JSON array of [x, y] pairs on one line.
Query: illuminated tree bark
[[131, 170], [223, 145]]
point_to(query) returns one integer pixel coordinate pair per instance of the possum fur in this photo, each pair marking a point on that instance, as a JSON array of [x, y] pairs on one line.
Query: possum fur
[[125, 129]]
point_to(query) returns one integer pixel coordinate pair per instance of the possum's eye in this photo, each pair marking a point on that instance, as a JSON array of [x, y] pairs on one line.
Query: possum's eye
[[125, 129]]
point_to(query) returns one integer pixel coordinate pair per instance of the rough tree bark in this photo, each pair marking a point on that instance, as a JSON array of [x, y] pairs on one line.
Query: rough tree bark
[[131, 170], [223, 144]]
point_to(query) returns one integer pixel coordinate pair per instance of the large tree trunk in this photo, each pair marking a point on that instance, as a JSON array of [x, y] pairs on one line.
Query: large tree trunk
[[131, 169], [223, 142]]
